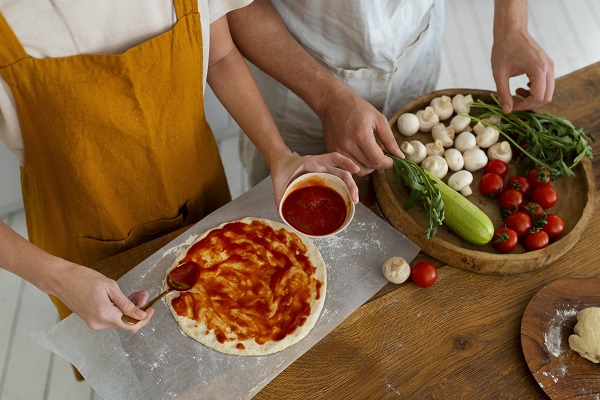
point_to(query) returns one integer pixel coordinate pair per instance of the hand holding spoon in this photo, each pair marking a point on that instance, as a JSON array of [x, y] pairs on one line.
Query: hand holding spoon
[[182, 278]]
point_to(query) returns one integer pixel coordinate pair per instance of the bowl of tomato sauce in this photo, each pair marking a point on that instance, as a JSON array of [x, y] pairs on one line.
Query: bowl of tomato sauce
[[317, 205]]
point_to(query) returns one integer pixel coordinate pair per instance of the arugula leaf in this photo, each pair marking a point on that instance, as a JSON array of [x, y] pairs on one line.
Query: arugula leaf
[[423, 190]]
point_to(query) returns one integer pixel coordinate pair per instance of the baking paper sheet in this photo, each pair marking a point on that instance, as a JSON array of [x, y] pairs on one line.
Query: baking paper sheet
[[160, 362]]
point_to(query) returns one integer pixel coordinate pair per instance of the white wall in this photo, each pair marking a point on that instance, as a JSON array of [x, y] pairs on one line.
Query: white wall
[[10, 184]]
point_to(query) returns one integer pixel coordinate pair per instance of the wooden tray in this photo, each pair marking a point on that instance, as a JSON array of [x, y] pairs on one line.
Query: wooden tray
[[575, 207], [547, 323]]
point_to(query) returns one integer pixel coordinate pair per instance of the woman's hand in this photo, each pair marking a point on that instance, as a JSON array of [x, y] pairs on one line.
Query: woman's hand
[[288, 166]]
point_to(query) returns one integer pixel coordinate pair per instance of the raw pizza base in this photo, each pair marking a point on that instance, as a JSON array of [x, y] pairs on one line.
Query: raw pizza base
[[198, 330]]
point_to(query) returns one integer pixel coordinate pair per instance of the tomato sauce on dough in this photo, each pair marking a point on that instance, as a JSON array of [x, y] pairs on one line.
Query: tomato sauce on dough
[[254, 283], [314, 210]]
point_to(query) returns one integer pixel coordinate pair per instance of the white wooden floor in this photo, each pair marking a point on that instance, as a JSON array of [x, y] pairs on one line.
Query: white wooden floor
[[569, 30]]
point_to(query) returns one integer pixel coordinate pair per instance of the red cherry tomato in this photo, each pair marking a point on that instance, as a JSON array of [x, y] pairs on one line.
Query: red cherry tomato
[[491, 185], [545, 196], [510, 200], [505, 239], [497, 166], [536, 240], [519, 222], [520, 183], [555, 226], [539, 176], [423, 274], [535, 211]]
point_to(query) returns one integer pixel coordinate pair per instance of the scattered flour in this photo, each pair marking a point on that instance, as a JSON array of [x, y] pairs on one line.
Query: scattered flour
[[552, 338]]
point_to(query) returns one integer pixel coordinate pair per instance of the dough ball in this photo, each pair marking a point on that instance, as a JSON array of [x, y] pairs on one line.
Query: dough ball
[[586, 340], [396, 270]]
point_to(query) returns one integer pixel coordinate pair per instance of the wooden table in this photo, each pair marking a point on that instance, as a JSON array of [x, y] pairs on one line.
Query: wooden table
[[459, 338]]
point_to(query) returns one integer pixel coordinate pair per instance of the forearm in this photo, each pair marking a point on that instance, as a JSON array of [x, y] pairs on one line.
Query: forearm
[[510, 15], [262, 38]]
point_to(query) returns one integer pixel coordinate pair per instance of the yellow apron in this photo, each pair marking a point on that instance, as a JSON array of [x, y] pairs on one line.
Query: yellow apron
[[117, 150]]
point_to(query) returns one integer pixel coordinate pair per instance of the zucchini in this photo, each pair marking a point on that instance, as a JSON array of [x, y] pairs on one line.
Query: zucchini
[[463, 217]]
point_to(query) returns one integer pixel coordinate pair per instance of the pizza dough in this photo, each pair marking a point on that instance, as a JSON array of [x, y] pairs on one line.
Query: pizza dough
[[586, 340], [261, 288]]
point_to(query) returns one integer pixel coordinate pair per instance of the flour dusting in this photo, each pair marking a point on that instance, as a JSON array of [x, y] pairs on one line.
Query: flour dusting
[[553, 337]]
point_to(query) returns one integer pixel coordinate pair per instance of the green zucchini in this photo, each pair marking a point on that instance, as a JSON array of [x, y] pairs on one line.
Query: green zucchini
[[463, 217]]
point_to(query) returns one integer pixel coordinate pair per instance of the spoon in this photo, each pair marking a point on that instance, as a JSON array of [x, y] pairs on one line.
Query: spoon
[[182, 278]]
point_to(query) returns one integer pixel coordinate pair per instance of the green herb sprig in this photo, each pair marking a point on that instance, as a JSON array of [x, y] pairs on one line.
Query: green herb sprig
[[422, 189], [542, 139]]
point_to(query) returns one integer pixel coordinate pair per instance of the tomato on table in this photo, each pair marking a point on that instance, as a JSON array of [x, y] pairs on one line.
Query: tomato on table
[[423, 274], [505, 239], [539, 176], [510, 200], [555, 226], [497, 166], [536, 240], [520, 183], [520, 222], [491, 185], [535, 211], [546, 196]]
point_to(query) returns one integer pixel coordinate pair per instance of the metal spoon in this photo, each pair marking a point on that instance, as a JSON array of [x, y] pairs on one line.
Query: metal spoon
[[183, 284]]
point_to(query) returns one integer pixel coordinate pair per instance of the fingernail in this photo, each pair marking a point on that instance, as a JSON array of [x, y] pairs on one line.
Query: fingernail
[[140, 313]]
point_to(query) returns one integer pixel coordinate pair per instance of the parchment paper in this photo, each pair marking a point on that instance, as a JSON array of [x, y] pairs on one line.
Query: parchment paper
[[160, 362]]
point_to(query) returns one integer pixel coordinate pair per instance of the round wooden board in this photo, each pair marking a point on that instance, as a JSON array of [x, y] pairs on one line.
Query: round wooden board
[[547, 323], [575, 206]]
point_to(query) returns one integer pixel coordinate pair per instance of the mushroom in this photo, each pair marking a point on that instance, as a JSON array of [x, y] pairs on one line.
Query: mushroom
[[408, 124], [460, 123], [461, 103], [493, 119], [478, 128], [427, 119], [442, 106], [500, 151], [435, 148], [396, 269], [414, 150], [465, 141], [454, 159], [443, 133], [487, 137], [436, 165], [475, 159], [460, 182]]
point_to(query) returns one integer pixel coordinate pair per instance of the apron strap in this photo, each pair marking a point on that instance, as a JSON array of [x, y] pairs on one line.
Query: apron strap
[[11, 49], [185, 7]]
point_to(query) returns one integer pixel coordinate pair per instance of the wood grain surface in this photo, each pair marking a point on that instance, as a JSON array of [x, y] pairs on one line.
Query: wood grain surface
[[460, 338], [548, 322], [575, 207]]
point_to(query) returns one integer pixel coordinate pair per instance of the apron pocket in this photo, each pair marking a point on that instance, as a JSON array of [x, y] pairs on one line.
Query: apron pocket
[[95, 250]]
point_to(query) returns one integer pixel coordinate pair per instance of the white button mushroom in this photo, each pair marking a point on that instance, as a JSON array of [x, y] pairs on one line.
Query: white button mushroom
[[408, 124], [443, 133], [500, 151], [435, 148], [396, 270], [462, 103], [475, 159], [460, 182], [427, 119], [454, 159], [414, 151], [436, 165], [478, 128], [442, 106], [460, 123], [465, 141], [487, 137]]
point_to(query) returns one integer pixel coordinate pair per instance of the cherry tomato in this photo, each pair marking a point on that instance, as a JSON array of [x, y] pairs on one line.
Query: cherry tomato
[[423, 274], [555, 226], [491, 185], [510, 200], [538, 176], [497, 166], [536, 240], [545, 196], [505, 239], [535, 211], [520, 183], [519, 222]]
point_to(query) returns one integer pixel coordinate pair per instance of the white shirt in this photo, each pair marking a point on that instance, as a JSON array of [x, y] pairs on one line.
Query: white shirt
[[62, 28]]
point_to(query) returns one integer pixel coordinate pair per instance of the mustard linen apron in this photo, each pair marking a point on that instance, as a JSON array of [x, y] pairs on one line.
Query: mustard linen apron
[[117, 150]]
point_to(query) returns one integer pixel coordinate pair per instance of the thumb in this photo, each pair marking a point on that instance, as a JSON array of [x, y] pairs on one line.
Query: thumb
[[125, 305]]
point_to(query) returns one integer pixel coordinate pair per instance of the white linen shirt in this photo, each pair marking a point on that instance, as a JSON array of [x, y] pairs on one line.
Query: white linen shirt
[[62, 28]]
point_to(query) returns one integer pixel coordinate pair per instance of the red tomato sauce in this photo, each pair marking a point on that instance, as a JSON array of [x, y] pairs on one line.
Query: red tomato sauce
[[314, 210], [185, 273]]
